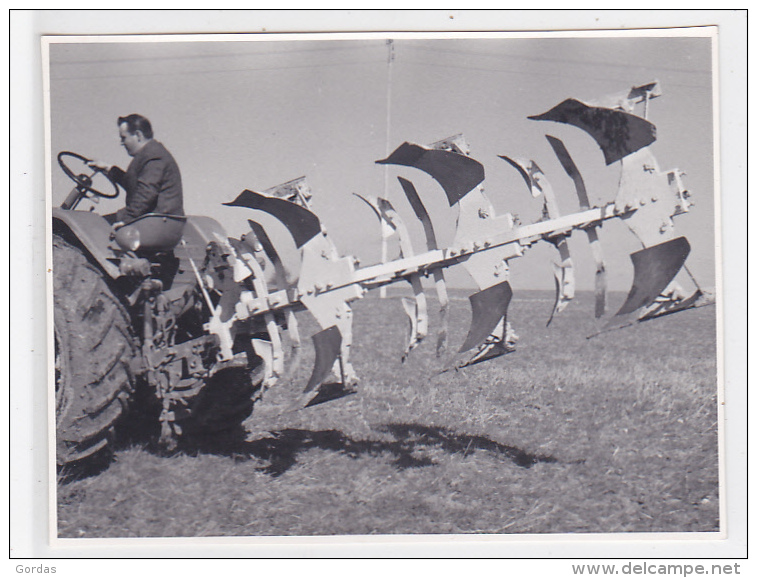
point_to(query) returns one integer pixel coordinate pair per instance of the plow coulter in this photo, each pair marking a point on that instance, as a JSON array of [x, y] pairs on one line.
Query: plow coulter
[[195, 305]]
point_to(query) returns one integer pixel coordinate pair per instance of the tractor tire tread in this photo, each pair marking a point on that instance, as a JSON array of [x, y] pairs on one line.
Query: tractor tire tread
[[96, 340]]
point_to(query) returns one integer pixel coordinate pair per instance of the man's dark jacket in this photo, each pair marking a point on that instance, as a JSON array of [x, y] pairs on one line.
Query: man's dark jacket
[[152, 183]]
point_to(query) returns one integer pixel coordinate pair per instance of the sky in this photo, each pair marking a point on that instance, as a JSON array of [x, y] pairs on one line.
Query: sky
[[253, 114]]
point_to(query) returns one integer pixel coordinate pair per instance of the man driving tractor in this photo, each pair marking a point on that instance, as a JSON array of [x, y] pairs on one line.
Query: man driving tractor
[[152, 181]]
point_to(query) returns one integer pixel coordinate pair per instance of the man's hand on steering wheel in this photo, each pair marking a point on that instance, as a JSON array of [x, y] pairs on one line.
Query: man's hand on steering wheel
[[100, 166], [83, 181]]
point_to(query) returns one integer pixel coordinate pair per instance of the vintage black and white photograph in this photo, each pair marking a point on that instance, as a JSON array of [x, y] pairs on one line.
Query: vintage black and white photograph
[[384, 284]]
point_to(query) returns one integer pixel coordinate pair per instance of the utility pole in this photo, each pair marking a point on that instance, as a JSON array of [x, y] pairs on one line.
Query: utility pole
[[389, 61]]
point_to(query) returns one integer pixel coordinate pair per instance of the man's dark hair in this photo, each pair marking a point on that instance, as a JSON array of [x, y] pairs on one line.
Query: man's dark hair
[[136, 122]]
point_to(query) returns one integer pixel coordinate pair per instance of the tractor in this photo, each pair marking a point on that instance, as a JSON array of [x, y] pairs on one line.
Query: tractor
[[130, 313]]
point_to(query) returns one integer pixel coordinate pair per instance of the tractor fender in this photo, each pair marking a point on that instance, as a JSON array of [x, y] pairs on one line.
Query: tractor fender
[[90, 231], [198, 233]]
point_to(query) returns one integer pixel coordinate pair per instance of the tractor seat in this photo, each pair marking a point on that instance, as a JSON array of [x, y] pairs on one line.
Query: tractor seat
[[151, 232]]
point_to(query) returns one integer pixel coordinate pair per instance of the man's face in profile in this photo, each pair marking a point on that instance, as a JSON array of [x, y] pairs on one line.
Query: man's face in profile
[[131, 142]]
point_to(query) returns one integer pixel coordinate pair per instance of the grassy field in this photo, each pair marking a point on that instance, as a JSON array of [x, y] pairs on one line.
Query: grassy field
[[614, 434]]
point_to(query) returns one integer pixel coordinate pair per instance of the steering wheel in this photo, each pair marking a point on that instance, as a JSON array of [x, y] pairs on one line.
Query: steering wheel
[[84, 182]]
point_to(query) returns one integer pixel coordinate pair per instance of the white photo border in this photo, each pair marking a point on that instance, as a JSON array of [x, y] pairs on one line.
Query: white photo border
[[29, 473]]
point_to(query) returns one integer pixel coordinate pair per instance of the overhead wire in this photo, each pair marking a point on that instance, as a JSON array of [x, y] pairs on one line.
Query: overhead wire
[[546, 74], [213, 56], [567, 61], [214, 71], [380, 59]]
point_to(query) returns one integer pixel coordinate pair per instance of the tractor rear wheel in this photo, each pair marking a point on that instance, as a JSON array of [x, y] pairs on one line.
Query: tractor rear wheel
[[94, 348], [224, 403]]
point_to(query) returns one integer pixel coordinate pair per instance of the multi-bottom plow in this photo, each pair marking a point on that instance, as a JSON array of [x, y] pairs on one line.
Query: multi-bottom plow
[[325, 283]]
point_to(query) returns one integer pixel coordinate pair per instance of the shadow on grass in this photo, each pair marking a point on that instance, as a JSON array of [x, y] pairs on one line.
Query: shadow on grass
[[408, 448], [86, 468]]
